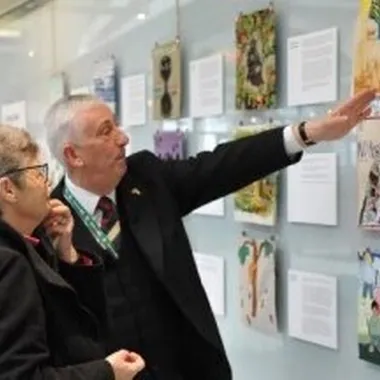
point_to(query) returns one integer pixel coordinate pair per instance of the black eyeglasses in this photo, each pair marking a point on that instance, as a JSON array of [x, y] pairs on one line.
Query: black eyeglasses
[[42, 169]]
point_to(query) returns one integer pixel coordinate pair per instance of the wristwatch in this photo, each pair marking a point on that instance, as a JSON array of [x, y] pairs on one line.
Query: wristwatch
[[302, 132]]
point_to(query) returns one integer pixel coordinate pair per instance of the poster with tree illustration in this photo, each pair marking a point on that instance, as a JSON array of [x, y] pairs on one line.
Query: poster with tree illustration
[[258, 283], [368, 174], [369, 305], [256, 60], [257, 202]]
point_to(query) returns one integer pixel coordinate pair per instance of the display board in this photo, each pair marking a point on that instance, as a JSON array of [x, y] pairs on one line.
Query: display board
[[208, 27]]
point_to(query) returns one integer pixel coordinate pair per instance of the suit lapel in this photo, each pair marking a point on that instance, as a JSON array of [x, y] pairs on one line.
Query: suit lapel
[[82, 237], [136, 208]]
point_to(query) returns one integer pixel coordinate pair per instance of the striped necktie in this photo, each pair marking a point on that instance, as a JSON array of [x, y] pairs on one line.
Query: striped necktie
[[110, 220]]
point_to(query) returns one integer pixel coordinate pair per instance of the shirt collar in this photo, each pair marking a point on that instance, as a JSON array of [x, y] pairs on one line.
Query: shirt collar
[[87, 199], [32, 240]]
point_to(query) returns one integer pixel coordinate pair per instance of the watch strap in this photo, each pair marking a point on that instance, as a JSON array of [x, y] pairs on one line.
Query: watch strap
[[302, 132]]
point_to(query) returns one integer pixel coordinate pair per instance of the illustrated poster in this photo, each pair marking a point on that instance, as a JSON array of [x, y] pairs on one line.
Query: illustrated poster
[[369, 305], [169, 145], [104, 82], [258, 283], [256, 60], [366, 57], [368, 174], [167, 81], [257, 202]]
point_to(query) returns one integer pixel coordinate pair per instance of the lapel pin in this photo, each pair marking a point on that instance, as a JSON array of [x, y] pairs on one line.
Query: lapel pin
[[135, 191]]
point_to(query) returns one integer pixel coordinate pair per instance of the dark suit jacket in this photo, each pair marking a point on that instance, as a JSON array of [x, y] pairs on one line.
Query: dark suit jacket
[[154, 196], [45, 332]]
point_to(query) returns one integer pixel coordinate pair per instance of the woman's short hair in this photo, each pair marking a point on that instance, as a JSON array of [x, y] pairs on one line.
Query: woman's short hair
[[16, 148]]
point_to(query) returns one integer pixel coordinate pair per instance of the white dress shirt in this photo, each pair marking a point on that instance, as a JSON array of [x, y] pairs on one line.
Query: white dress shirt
[[88, 200], [292, 146]]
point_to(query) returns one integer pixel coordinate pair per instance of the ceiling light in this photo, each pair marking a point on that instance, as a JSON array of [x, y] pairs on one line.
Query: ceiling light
[[31, 53], [141, 16]]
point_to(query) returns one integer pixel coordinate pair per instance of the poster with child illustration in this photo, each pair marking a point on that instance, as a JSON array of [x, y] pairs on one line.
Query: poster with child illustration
[[258, 283], [369, 305], [368, 174]]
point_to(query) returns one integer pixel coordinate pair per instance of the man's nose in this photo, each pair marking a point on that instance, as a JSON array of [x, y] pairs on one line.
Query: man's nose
[[122, 138]]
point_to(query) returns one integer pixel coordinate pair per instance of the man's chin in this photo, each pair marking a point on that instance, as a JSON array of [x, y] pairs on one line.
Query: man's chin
[[123, 167]]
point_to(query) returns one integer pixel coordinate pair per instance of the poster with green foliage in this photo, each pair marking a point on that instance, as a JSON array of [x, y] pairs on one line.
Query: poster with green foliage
[[258, 283], [257, 202], [256, 60]]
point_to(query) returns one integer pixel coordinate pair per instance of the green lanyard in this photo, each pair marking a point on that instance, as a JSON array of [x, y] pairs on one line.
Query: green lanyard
[[90, 223]]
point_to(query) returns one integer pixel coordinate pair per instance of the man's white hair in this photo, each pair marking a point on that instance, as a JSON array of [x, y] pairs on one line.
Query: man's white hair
[[59, 121]]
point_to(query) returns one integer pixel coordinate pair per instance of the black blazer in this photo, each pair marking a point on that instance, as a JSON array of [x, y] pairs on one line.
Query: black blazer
[[46, 333], [153, 197]]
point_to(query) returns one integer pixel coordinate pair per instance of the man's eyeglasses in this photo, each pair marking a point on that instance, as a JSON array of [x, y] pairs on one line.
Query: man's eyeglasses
[[42, 169]]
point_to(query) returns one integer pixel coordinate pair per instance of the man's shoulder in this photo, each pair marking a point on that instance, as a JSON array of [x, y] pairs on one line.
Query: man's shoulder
[[143, 162], [142, 157]]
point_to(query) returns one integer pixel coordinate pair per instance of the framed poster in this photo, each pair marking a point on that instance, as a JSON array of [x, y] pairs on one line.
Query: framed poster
[[167, 80], [256, 75]]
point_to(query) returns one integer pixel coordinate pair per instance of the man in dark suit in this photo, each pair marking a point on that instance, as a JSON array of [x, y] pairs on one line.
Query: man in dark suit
[[130, 212]]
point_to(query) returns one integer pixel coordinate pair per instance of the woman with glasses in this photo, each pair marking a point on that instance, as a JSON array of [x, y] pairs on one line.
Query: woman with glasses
[[48, 330]]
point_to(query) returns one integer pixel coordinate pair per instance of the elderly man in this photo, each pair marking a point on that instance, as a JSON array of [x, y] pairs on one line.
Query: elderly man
[[46, 333], [130, 212]]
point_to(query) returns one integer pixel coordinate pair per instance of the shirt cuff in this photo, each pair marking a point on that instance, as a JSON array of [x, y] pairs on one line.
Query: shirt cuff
[[292, 146]]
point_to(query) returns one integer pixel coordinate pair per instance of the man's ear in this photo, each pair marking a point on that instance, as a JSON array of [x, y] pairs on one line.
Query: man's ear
[[8, 192], [71, 156]]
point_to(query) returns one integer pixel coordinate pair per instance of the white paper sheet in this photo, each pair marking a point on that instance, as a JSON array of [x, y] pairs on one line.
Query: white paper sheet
[[312, 190], [214, 208], [133, 90], [81, 90], [206, 86], [312, 308], [313, 68], [14, 114], [211, 272]]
